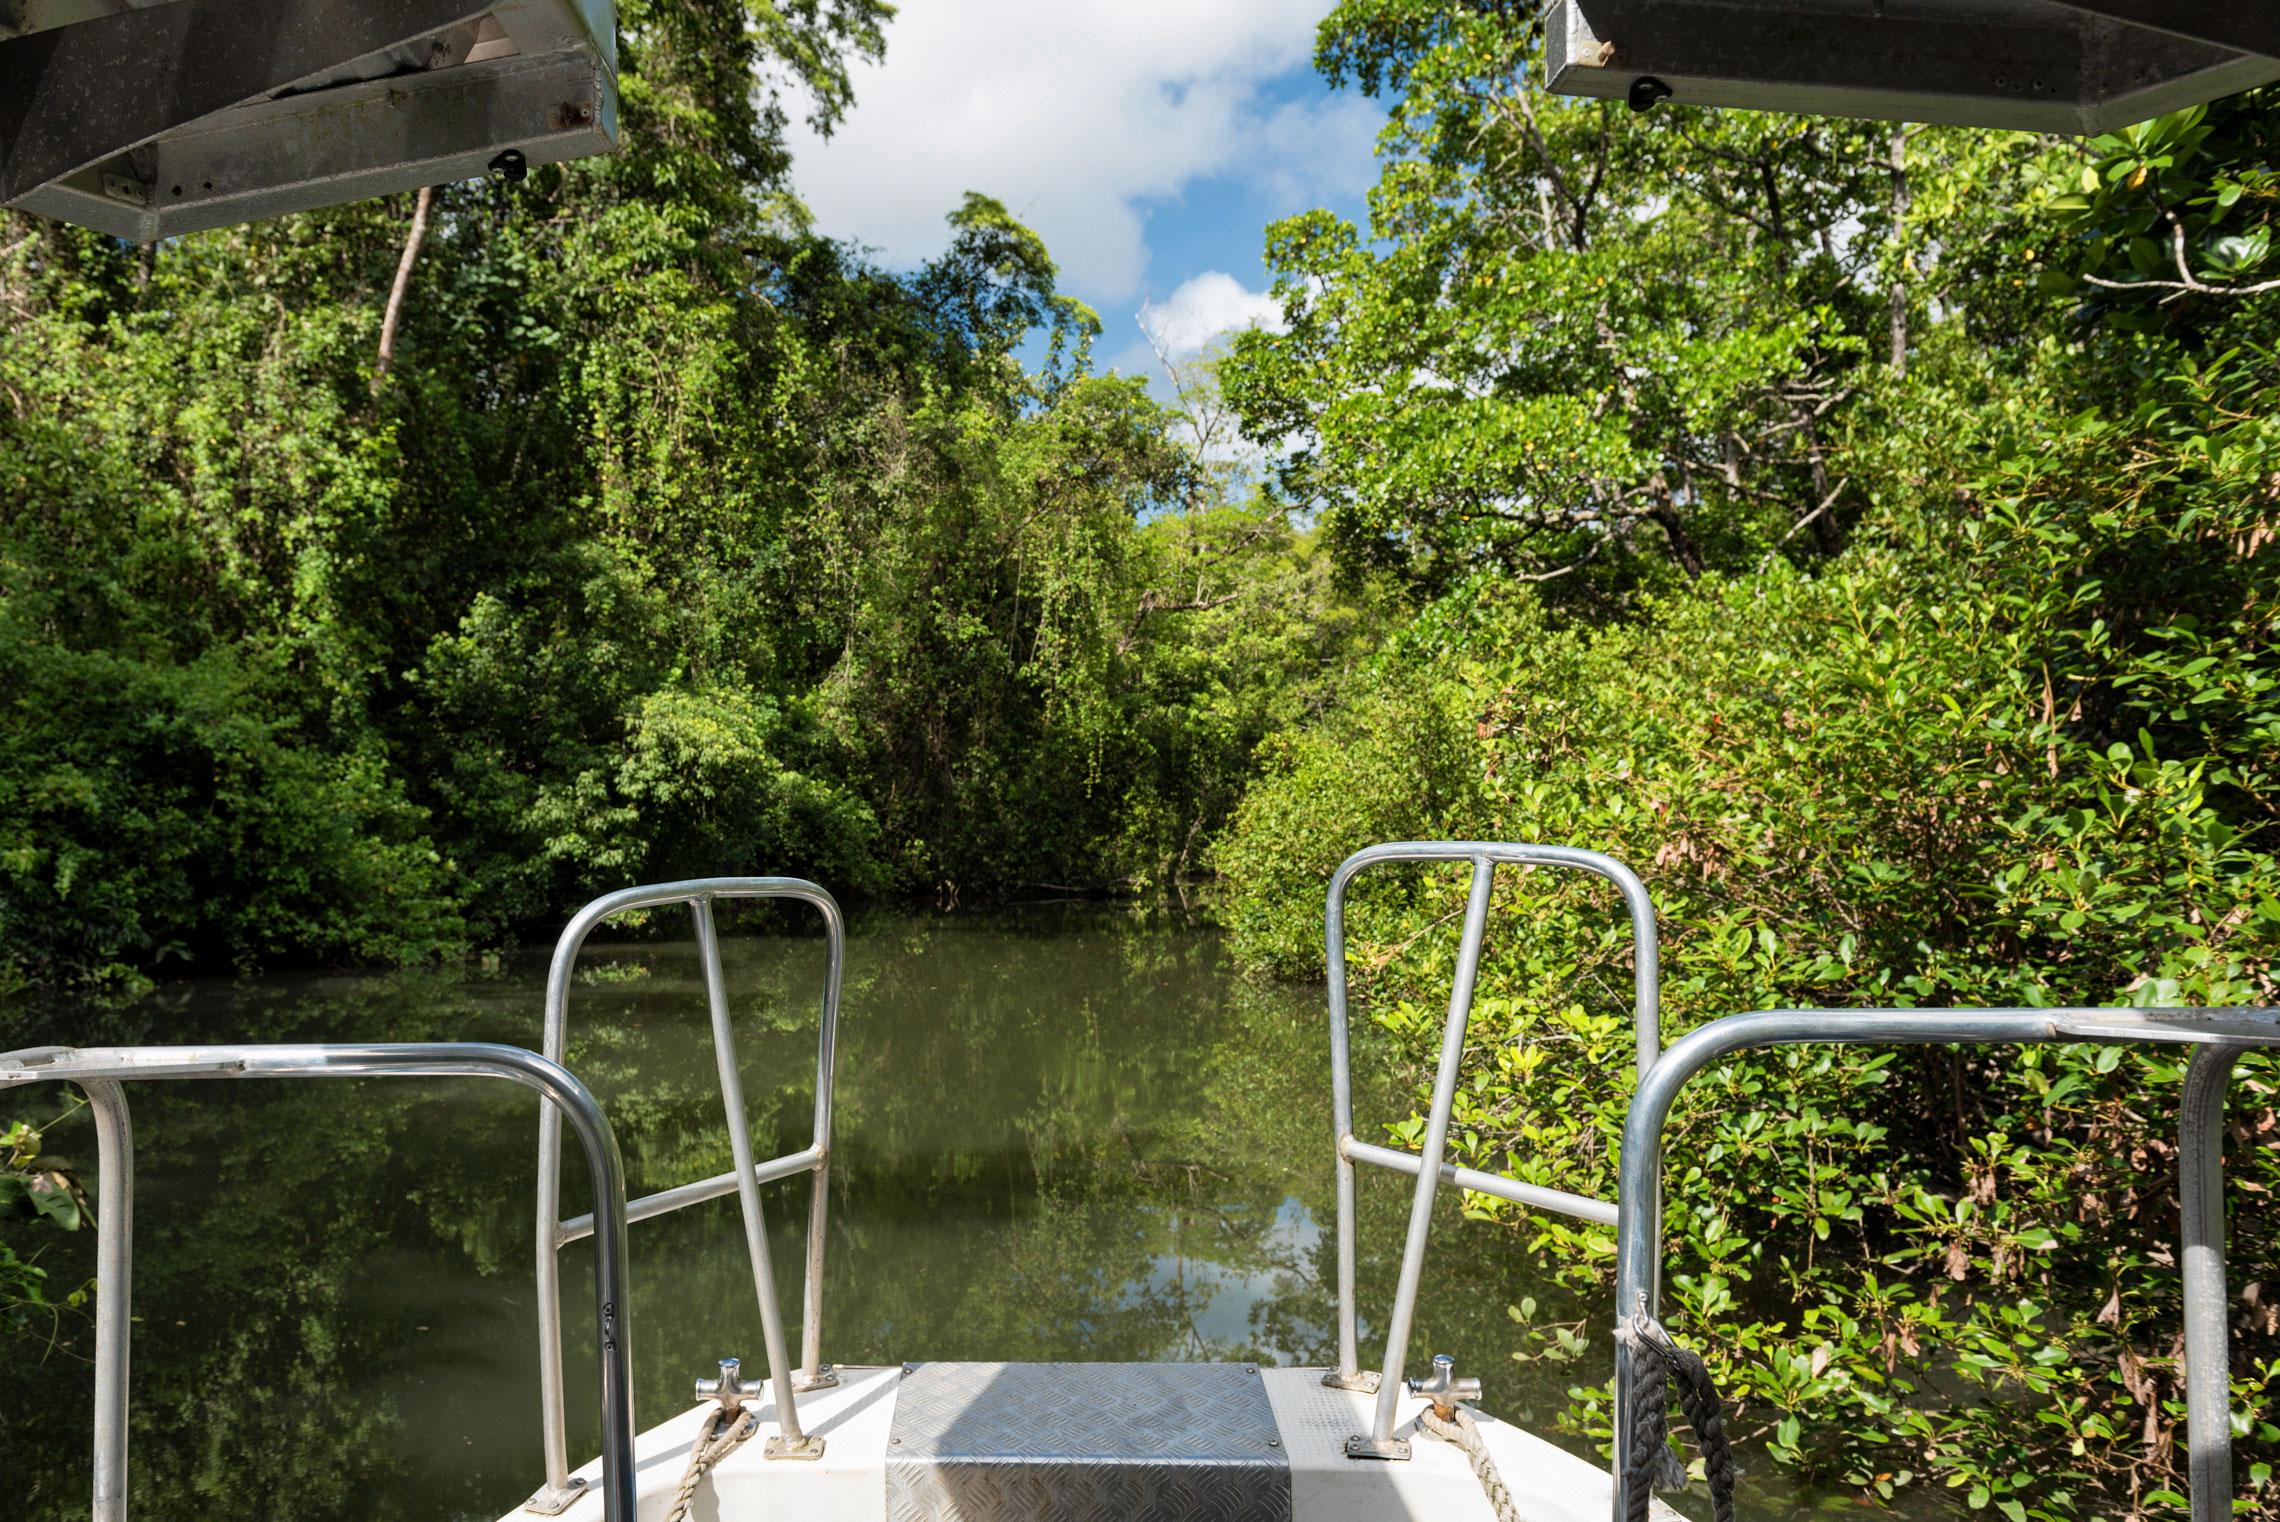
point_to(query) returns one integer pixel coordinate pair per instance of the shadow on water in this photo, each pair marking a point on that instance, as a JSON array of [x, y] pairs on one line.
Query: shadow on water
[[1062, 1134]]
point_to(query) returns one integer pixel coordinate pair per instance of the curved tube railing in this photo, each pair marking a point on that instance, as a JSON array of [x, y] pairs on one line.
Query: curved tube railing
[[744, 1180], [2221, 1034], [101, 1070], [1427, 1167]]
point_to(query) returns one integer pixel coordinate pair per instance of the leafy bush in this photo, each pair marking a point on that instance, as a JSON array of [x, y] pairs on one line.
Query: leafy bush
[[1868, 532], [2018, 754], [43, 1192], [153, 810]]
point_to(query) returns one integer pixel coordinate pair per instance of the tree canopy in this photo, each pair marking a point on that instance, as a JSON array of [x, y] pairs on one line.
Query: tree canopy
[[677, 539]]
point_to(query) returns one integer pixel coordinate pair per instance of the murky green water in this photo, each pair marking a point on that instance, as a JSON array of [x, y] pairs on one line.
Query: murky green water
[[1061, 1134]]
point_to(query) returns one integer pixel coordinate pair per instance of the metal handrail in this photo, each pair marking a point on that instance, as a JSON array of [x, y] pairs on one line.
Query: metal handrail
[[2222, 1036], [744, 1180], [1427, 1166], [100, 1071]]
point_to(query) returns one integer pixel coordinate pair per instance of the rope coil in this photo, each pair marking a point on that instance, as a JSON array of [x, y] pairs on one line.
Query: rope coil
[[1656, 1360], [711, 1446], [1466, 1435]]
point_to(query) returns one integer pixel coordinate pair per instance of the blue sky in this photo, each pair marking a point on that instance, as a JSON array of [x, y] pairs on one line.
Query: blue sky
[[1150, 144]]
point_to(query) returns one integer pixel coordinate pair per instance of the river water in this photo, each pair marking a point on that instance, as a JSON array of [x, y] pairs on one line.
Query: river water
[[1063, 1133]]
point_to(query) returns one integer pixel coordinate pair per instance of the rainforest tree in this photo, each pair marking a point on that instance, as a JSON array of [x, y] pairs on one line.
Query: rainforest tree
[[674, 539]]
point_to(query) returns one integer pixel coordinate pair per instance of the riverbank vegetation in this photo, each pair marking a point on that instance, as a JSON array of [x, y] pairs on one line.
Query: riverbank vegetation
[[675, 539], [1867, 532]]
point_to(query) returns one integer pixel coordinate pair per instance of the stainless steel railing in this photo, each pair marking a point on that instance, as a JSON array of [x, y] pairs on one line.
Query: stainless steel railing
[[101, 1071], [744, 1180], [2221, 1035], [1426, 1165]]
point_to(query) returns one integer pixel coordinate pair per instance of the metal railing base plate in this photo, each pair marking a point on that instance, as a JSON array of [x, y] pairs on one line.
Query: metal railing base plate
[[550, 1502]]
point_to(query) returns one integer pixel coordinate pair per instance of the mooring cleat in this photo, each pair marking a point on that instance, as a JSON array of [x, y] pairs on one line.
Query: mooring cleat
[[730, 1390], [1444, 1389]]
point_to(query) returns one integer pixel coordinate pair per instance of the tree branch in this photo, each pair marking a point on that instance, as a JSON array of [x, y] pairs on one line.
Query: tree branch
[[2185, 282], [1827, 502], [1576, 564], [396, 293], [1152, 603]]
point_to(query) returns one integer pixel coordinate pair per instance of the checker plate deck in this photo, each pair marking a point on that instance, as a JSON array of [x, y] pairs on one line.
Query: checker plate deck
[[1085, 1442]]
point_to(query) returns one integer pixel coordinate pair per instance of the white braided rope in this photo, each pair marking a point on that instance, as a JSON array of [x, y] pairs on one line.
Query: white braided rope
[[1466, 1435], [711, 1446]]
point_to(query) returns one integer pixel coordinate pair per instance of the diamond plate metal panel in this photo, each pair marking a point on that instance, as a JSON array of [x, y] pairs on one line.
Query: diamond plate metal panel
[[1085, 1442]]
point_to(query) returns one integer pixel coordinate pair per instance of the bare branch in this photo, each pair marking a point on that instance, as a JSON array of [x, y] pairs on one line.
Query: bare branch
[[1827, 502], [403, 279], [1152, 602], [1578, 206], [2193, 287], [2186, 280], [1576, 564]]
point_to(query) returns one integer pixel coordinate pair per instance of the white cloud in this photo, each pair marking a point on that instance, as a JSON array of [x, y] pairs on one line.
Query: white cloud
[[1202, 309], [1072, 113]]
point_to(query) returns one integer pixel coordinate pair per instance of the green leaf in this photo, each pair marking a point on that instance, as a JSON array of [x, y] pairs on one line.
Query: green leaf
[[2238, 253], [50, 1195]]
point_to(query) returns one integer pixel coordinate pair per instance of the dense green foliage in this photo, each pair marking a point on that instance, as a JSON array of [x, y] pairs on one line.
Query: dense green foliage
[[677, 540], [1999, 732], [1867, 532], [1567, 347]]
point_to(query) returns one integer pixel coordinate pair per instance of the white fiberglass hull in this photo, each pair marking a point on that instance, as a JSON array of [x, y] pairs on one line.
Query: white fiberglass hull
[[857, 1422]]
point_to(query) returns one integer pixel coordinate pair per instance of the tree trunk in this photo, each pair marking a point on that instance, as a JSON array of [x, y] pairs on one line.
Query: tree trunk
[[1898, 294], [1825, 529], [396, 294], [1664, 510]]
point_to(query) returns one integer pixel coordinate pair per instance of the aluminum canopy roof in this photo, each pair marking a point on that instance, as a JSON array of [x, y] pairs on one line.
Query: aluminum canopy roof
[[2082, 67], [146, 118]]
